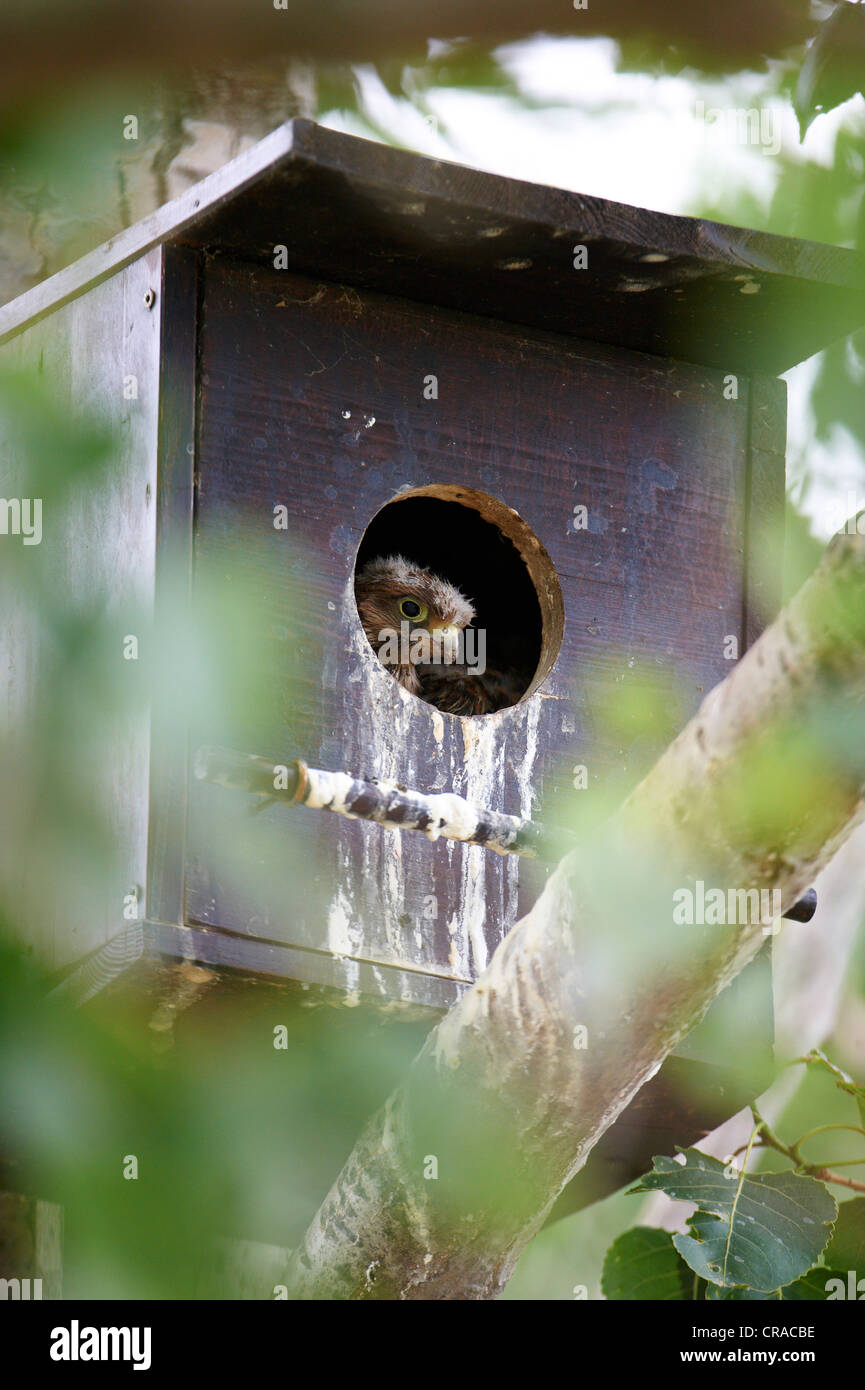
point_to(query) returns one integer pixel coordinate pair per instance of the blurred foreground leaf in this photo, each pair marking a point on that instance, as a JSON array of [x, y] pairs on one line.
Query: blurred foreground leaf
[[834, 68]]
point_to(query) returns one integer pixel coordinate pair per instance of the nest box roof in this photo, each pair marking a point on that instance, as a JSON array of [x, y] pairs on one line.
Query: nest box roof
[[364, 214]]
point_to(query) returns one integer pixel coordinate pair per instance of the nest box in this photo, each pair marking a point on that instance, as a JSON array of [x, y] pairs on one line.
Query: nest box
[[568, 407]]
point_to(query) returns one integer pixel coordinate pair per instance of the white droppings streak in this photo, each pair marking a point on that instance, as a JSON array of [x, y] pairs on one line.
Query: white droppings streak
[[344, 939], [377, 728], [338, 939], [379, 720], [485, 784], [526, 770], [484, 775]]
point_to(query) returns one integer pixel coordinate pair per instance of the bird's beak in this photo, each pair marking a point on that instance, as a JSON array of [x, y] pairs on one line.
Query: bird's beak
[[449, 638]]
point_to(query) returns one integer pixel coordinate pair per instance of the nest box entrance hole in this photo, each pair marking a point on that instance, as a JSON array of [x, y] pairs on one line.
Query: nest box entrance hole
[[488, 552]]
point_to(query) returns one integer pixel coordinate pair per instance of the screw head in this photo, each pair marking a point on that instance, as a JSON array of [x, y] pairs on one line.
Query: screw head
[[150, 299]]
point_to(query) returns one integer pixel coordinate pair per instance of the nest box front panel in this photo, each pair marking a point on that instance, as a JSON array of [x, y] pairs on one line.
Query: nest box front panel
[[591, 501]]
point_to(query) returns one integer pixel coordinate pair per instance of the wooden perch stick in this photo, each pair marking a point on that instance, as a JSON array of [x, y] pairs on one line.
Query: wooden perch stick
[[438, 815], [501, 1101]]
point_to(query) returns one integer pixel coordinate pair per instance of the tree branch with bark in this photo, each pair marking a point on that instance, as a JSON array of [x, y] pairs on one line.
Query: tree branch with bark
[[458, 1171]]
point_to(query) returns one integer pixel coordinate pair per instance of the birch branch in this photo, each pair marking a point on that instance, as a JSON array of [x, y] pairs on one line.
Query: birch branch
[[458, 1171]]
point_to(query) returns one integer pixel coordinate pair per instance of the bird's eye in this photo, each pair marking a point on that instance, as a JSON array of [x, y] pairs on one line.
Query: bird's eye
[[410, 608]]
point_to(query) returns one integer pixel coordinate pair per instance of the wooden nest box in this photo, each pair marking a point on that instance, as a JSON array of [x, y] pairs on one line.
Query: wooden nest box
[[567, 407]]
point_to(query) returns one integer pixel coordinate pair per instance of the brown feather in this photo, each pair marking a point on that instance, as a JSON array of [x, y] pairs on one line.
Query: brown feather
[[452, 688], [457, 690]]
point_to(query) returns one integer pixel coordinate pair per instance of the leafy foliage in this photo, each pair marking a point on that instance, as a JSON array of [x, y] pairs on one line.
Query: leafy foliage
[[842, 1081], [645, 1258], [762, 1231], [775, 1235], [834, 68], [644, 1264], [846, 1249]]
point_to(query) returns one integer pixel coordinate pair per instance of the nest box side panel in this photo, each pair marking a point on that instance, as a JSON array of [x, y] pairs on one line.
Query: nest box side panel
[[312, 397], [100, 351]]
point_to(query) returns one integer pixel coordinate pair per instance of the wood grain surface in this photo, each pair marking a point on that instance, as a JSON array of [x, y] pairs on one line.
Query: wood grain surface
[[311, 397]]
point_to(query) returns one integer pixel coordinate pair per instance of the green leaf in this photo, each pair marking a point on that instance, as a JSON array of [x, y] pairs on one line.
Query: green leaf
[[762, 1231], [846, 1249], [834, 66], [643, 1264], [812, 1286], [740, 1294], [842, 1080]]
